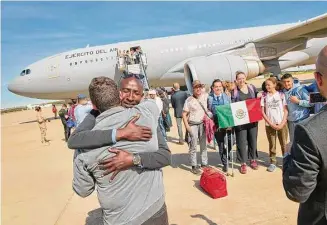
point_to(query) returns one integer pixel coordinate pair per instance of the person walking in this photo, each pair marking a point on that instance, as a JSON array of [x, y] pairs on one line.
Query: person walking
[[54, 111], [178, 99]]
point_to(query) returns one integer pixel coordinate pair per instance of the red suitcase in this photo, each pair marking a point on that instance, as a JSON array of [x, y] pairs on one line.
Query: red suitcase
[[214, 183]]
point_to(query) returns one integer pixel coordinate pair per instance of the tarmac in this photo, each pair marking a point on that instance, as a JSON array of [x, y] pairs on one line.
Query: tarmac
[[36, 183]]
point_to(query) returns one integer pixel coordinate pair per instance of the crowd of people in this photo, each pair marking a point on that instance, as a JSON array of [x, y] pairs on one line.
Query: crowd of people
[[120, 140]]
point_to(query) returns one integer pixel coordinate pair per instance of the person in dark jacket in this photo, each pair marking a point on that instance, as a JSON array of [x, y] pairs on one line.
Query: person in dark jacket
[[177, 102], [217, 98], [63, 114], [165, 110], [305, 166]]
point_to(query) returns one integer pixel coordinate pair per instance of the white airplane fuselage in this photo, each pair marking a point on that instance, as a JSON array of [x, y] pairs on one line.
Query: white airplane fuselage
[[67, 74]]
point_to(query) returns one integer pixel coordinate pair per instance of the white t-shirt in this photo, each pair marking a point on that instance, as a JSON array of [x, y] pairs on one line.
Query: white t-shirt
[[274, 107], [159, 103]]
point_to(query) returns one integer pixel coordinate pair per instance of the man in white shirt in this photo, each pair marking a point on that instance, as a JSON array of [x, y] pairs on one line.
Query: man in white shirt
[[193, 114], [153, 95]]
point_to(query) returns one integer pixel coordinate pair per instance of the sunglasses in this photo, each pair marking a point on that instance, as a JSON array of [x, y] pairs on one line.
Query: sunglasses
[[137, 76]]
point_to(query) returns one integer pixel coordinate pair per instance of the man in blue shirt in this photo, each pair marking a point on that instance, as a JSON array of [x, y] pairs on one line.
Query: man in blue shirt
[[216, 98], [298, 105], [82, 109]]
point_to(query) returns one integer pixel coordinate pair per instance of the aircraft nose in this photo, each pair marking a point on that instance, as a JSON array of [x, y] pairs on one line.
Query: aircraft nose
[[15, 86]]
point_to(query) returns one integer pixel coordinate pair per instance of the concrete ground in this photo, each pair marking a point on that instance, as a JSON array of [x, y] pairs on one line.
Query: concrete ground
[[36, 183]]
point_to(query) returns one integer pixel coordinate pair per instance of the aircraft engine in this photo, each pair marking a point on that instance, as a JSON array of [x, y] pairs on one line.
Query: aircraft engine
[[223, 67]]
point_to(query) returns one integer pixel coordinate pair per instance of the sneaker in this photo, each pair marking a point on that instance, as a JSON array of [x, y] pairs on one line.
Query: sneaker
[[196, 170], [271, 168], [254, 164], [243, 169]]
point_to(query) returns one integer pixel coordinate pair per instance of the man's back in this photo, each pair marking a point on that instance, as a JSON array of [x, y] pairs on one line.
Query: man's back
[[177, 100], [305, 171], [134, 195]]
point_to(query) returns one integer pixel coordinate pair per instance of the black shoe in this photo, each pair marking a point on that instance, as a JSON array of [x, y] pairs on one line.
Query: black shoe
[[225, 169], [196, 170]]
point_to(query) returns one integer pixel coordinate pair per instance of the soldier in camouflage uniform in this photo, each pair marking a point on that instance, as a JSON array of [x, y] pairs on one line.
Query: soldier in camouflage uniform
[[42, 125]]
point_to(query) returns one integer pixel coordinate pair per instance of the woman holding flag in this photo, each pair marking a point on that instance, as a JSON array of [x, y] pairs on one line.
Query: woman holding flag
[[246, 134]]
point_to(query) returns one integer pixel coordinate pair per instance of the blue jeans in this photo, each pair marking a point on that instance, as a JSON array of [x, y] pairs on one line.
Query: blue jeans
[[162, 127]]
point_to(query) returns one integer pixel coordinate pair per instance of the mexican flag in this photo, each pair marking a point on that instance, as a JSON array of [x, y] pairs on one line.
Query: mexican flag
[[239, 113]]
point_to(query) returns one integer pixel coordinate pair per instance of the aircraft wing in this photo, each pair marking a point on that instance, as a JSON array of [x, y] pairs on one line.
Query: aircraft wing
[[312, 28]]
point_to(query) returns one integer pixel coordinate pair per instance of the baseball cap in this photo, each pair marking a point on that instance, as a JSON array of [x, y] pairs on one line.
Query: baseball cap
[[197, 83], [81, 96]]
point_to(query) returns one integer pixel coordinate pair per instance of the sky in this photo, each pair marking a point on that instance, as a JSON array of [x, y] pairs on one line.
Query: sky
[[31, 31]]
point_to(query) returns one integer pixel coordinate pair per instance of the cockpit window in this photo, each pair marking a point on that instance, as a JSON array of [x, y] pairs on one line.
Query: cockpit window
[[25, 72]]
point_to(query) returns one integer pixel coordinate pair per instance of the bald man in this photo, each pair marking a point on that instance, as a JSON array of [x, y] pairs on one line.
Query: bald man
[[305, 166], [177, 102]]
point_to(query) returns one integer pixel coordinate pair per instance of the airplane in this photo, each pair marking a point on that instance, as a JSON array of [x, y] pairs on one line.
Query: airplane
[[184, 58]]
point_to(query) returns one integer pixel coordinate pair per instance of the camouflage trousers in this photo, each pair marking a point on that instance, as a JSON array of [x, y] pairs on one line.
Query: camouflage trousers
[[43, 134]]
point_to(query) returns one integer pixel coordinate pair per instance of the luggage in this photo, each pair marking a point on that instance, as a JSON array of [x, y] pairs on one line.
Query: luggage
[[214, 183]]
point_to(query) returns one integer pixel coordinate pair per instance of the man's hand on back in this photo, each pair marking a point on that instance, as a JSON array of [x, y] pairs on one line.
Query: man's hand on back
[[133, 132], [123, 160]]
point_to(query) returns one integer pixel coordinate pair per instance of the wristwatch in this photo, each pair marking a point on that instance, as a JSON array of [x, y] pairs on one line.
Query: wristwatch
[[136, 159]]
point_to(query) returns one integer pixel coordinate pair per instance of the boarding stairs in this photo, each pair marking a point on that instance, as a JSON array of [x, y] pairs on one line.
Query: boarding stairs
[[138, 69]]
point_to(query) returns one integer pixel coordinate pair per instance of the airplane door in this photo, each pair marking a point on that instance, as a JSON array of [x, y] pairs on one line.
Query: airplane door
[[53, 68]]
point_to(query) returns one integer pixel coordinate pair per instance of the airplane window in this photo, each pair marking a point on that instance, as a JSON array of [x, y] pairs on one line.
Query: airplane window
[[91, 61], [22, 73], [85, 61], [101, 59], [75, 63], [96, 60], [80, 62], [71, 64], [28, 71]]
